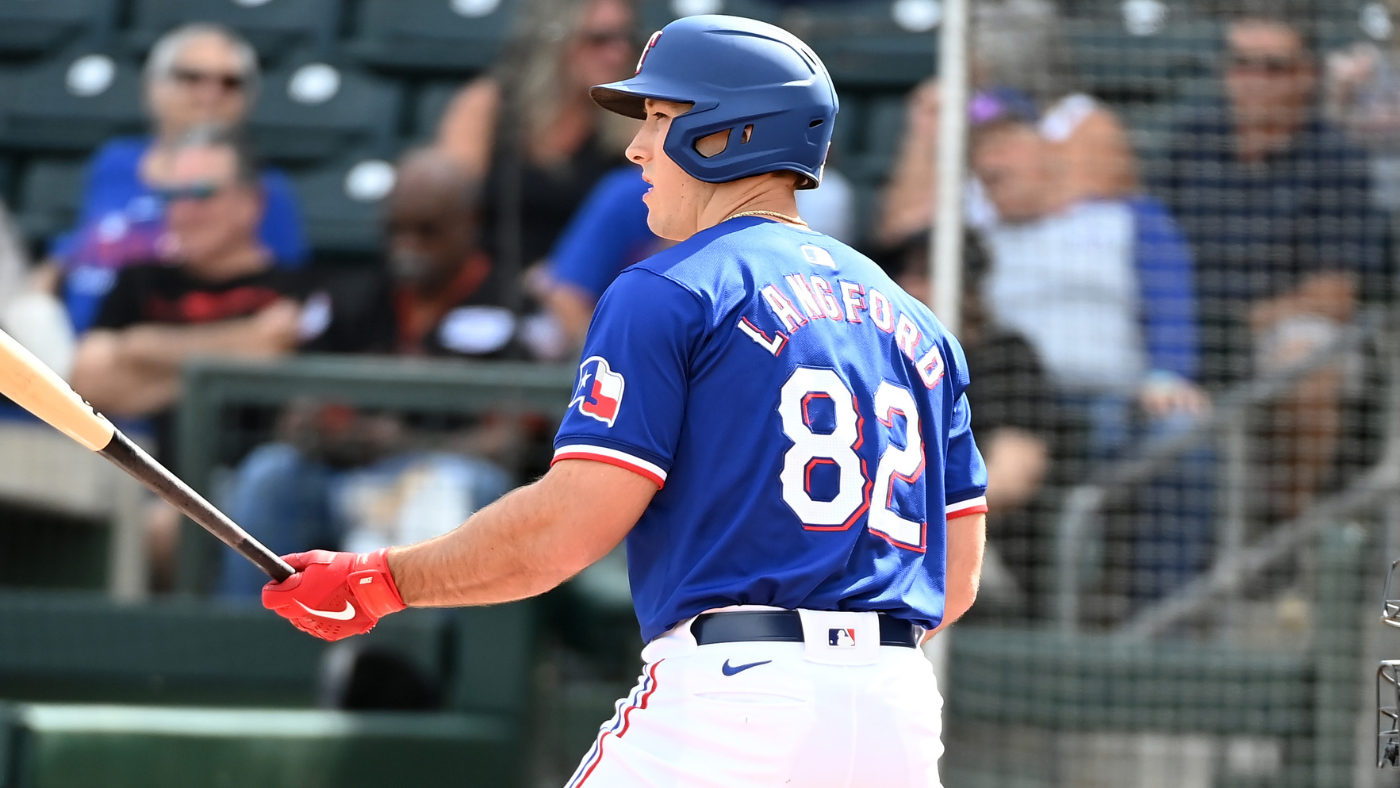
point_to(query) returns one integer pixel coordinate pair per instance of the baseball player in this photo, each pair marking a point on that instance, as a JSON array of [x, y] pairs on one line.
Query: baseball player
[[778, 430]]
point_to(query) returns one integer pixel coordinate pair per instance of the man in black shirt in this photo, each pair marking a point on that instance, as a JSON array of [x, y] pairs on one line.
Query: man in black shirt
[[220, 296], [1276, 205], [343, 479]]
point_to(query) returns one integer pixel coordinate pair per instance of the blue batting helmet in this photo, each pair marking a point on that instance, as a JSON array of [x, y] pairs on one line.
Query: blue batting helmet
[[757, 81]]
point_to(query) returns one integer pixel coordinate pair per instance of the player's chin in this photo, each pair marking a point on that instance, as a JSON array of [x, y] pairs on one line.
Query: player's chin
[[659, 226]]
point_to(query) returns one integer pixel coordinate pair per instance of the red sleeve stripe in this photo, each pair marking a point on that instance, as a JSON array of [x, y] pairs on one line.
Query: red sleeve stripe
[[612, 457], [976, 505]]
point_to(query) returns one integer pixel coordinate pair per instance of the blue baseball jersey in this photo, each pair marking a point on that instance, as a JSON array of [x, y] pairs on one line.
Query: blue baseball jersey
[[804, 418]]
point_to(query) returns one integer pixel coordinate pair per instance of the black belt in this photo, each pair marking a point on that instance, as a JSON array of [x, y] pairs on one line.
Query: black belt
[[781, 626]]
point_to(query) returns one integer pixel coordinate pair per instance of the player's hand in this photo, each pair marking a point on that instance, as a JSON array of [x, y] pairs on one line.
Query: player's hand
[[335, 595]]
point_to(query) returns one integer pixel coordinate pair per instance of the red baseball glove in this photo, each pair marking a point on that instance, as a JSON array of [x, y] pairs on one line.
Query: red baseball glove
[[335, 595]]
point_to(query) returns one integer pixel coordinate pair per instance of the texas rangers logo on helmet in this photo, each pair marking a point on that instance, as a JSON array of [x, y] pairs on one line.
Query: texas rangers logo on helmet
[[599, 390], [646, 50]]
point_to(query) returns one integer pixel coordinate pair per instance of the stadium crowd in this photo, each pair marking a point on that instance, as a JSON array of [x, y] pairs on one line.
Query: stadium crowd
[[1109, 298]]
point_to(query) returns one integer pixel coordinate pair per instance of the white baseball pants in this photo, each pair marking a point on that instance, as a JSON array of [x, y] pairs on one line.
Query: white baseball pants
[[760, 715]]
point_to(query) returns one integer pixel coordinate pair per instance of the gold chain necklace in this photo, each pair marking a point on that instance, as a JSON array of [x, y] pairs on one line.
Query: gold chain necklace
[[774, 214]]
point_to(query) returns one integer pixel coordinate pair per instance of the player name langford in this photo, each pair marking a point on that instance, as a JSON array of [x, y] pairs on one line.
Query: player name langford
[[842, 301]]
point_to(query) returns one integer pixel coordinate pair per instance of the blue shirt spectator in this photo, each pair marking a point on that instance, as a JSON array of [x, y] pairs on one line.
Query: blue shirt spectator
[[1103, 291], [609, 232], [123, 220]]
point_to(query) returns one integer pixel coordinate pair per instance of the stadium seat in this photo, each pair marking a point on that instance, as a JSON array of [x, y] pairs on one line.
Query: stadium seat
[[432, 36], [314, 111], [1121, 68], [49, 192], [71, 103], [29, 29], [274, 27], [340, 204], [868, 44], [433, 100], [881, 125], [656, 14]]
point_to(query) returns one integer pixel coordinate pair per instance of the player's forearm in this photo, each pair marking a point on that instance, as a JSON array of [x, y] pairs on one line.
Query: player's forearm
[[494, 557], [967, 537], [526, 543]]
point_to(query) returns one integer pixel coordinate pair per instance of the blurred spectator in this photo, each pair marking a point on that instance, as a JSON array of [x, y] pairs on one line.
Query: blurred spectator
[[342, 479], [609, 232], [222, 294], [1276, 205], [197, 74], [1018, 50], [1103, 291], [32, 316], [1102, 288], [1013, 418], [529, 131], [1363, 99]]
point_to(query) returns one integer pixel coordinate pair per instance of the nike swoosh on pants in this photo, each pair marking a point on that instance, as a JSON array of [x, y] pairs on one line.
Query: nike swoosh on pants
[[730, 670]]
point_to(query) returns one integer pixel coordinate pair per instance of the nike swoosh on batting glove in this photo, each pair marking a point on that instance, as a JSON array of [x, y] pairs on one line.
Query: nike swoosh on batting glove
[[335, 595]]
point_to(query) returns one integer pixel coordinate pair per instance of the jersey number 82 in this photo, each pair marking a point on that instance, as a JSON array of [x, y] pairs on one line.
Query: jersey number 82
[[839, 447]]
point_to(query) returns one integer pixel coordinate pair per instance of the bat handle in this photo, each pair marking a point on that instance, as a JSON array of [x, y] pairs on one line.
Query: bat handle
[[140, 465]]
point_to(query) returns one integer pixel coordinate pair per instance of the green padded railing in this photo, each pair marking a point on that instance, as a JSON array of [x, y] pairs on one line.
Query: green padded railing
[[407, 384], [80, 646], [431, 385], [80, 746], [1305, 698]]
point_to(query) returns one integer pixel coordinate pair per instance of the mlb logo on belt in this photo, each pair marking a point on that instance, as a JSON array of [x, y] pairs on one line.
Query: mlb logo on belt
[[842, 638], [599, 390]]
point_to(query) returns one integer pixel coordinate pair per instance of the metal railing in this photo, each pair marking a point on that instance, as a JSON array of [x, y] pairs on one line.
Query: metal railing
[[1235, 561]]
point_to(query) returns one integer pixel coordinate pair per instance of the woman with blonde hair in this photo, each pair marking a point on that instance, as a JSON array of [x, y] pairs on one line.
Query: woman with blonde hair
[[528, 130]]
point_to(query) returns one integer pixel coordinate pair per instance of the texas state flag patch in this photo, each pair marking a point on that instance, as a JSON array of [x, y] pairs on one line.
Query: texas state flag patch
[[599, 390]]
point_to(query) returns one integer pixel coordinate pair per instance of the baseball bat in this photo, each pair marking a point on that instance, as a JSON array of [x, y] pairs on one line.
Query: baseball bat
[[39, 390]]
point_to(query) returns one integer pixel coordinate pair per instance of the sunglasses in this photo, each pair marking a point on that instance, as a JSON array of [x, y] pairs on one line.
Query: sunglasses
[[196, 192], [1277, 65], [602, 38], [190, 77]]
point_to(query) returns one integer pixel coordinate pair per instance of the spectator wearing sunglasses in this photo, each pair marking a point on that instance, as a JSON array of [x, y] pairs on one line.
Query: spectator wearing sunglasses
[[1276, 204], [216, 291], [197, 74]]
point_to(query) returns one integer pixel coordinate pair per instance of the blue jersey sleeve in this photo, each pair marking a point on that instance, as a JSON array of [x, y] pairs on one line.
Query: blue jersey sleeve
[[965, 477], [964, 473], [608, 233], [629, 400]]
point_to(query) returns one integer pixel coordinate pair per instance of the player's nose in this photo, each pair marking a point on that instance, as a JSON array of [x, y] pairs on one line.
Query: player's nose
[[637, 151]]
